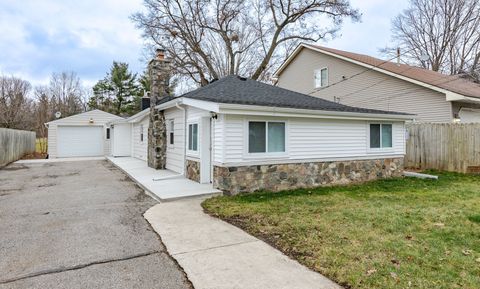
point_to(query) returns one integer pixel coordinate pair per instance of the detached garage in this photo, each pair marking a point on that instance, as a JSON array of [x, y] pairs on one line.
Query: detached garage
[[81, 135]]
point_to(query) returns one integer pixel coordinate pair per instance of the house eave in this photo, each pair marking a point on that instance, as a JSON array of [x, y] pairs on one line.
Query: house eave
[[461, 98], [200, 104], [243, 109]]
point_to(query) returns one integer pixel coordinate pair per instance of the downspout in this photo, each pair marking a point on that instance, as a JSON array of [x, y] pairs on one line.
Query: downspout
[[184, 137], [184, 146]]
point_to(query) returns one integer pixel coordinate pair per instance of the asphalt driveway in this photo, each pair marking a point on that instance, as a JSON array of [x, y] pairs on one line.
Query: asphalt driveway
[[79, 225]]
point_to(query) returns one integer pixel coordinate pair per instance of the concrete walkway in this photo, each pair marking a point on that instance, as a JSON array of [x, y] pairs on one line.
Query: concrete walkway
[[163, 185], [215, 254]]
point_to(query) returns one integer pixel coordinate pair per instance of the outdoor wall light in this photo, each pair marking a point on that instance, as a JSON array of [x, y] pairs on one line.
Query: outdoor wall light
[[91, 120], [214, 115]]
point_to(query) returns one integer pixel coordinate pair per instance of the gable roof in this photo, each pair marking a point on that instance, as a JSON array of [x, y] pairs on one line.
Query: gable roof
[[239, 90], [452, 83], [87, 113]]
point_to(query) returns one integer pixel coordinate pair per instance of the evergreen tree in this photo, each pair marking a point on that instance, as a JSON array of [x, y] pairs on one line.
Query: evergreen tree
[[118, 92]]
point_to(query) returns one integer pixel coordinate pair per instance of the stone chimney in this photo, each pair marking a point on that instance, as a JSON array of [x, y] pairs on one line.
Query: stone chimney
[[159, 73]]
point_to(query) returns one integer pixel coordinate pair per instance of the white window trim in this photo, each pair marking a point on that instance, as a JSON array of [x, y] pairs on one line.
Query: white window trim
[[265, 155], [169, 130], [380, 149], [319, 70], [192, 152], [141, 136]]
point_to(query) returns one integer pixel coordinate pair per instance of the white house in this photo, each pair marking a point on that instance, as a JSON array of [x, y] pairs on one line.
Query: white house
[[130, 136], [243, 135], [81, 135]]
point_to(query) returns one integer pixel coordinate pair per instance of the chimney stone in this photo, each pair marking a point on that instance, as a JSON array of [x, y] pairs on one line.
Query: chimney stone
[[159, 73]]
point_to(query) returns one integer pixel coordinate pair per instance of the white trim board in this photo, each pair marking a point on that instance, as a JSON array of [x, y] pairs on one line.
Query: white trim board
[[296, 161], [242, 109]]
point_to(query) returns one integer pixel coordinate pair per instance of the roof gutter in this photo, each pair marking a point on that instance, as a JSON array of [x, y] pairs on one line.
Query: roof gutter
[[307, 113], [169, 104], [243, 109]]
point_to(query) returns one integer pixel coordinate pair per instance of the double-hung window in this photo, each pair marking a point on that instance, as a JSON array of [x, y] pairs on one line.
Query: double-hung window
[[266, 137], [171, 132], [380, 135], [321, 77], [193, 137]]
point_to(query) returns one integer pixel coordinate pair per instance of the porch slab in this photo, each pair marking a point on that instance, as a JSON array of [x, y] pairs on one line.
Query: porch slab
[[163, 185]]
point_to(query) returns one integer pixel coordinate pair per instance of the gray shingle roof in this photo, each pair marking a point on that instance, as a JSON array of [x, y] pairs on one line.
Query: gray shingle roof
[[238, 90]]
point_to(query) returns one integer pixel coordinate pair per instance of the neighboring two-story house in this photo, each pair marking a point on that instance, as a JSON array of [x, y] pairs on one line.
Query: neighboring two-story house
[[363, 81]]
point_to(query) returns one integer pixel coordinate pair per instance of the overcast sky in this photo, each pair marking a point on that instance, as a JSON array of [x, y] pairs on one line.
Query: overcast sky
[[38, 37]]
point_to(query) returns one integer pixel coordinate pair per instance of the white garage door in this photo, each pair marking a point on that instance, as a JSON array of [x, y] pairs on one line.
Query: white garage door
[[79, 141]]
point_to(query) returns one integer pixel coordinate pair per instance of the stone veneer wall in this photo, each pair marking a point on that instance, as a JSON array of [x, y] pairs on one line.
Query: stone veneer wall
[[278, 177], [193, 170], [157, 140], [159, 75]]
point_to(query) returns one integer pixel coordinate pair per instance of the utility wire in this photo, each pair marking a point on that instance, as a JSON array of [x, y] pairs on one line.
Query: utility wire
[[374, 66]]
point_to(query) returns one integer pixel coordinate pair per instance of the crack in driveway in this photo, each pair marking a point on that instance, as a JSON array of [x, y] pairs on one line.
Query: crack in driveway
[[76, 267]]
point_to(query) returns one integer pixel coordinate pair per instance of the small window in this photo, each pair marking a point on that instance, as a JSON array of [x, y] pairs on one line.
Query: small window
[[193, 137], [171, 130], [108, 133], [380, 135], [266, 137], [141, 132], [321, 77]]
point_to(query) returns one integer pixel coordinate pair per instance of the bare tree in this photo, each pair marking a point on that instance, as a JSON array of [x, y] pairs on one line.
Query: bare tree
[[210, 39], [441, 35], [15, 105], [43, 113], [66, 93]]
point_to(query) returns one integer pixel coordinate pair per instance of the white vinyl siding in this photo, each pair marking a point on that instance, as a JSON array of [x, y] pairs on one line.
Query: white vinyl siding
[[310, 139], [370, 89], [218, 138], [83, 119], [140, 148], [175, 151]]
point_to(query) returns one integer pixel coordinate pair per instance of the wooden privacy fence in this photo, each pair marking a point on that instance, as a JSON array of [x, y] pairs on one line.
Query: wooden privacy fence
[[445, 146], [14, 144]]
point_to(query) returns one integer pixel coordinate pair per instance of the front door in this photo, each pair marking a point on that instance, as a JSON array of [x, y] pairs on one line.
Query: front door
[[205, 151]]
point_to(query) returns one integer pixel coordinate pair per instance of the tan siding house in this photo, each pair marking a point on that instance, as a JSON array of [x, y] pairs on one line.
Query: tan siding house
[[359, 81]]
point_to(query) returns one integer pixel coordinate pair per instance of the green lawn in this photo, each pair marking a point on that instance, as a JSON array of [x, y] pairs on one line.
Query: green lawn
[[397, 233]]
